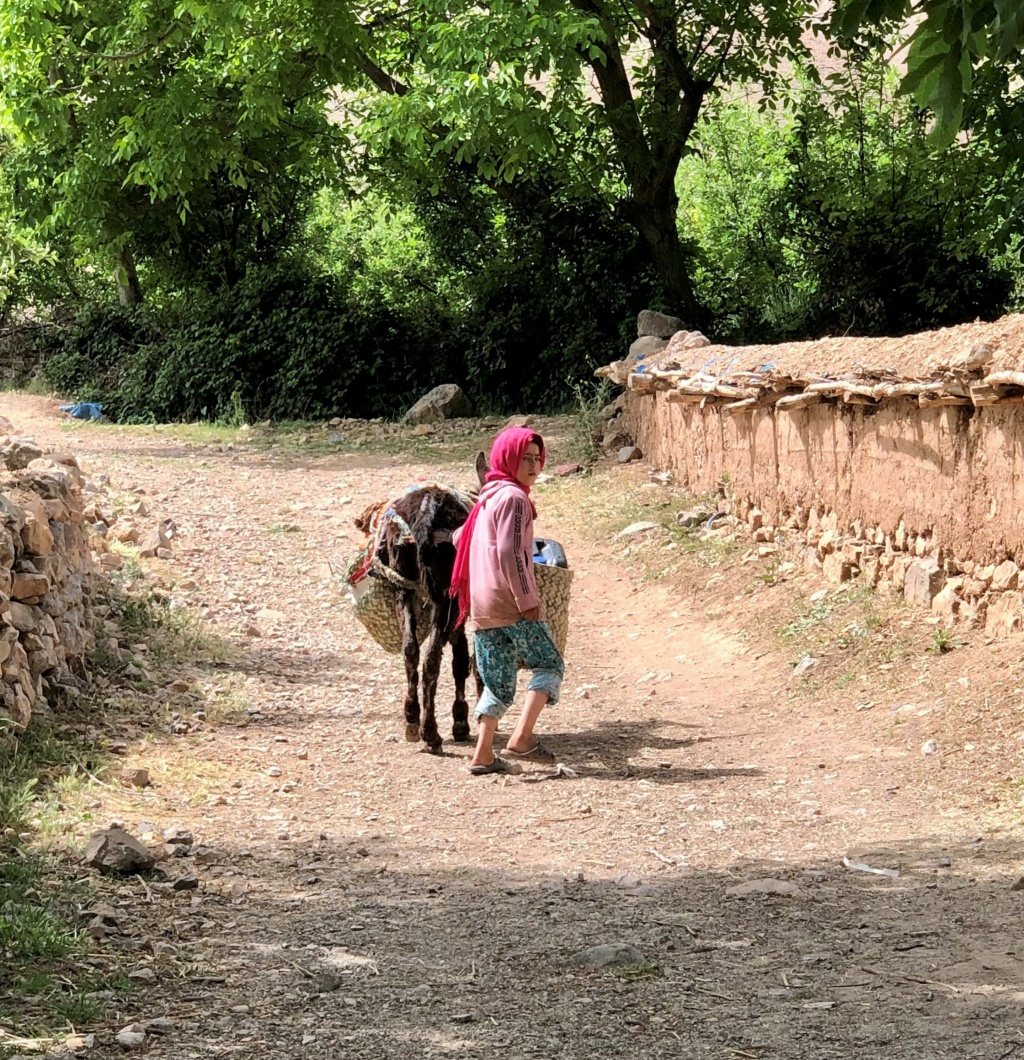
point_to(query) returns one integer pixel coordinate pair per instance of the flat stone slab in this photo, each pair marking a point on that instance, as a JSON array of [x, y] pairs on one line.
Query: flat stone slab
[[611, 955]]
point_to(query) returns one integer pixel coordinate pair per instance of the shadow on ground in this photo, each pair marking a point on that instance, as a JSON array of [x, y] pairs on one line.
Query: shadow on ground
[[345, 947]]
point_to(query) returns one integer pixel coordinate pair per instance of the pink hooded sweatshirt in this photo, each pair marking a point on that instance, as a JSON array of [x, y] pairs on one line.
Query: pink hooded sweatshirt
[[501, 578], [493, 576]]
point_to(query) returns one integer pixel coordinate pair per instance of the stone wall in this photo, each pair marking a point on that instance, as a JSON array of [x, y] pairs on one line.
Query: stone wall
[[924, 501], [48, 580]]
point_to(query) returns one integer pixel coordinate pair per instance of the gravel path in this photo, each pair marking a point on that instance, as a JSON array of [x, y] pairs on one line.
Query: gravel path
[[360, 899]]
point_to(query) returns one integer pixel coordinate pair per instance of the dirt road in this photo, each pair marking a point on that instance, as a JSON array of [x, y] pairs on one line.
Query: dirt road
[[361, 899]]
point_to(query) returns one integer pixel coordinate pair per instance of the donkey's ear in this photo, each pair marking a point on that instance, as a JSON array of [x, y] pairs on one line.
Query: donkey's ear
[[482, 466], [364, 520]]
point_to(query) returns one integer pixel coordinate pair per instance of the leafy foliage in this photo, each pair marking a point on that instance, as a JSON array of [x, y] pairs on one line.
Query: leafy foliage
[[747, 271], [557, 297], [840, 217], [332, 208], [898, 237], [591, 96], [280, 344], [384, 307], [38, 930], [125, 119], [948, 40]]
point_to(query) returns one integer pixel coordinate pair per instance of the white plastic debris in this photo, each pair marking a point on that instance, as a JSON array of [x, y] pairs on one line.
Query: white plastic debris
[[860, 866]]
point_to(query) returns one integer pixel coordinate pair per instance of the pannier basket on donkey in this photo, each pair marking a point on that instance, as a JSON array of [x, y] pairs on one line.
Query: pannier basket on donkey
[[374, 590], [375, 600]]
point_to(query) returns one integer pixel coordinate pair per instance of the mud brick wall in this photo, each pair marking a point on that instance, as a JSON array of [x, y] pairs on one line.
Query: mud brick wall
[[880, 490], [47, 581]]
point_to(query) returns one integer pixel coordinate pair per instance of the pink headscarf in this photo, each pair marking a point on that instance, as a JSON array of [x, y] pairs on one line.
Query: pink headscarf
[[506, 455]]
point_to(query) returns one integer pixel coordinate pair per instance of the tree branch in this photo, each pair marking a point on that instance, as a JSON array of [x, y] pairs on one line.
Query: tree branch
[[383, 80], [724, 55], [617, 97], [128, 55]]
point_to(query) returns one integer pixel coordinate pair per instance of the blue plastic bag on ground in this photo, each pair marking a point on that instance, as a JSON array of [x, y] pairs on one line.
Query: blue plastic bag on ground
[[84, 410]]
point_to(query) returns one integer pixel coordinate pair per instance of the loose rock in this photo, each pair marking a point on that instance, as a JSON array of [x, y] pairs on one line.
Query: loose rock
[[803, 667], [651, 322], [766, 886], [688, 519], [178, 836], [19, 453], [134, 778], [154, 541], [114, 851], [79, 1043], [922, 582], [615, 438], [646, 346], [444, 402], [132, 1037], [611, 955], [637, 528]]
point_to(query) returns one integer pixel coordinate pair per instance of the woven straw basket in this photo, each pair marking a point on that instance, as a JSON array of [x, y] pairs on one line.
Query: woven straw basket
[[376, 605], [553, 588]]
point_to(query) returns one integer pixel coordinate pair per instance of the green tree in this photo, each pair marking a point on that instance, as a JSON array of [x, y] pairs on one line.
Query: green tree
[[174, 126], [838, 216], [897, 234], [169, 127], [597, 97], [947, 41], [732, 214]]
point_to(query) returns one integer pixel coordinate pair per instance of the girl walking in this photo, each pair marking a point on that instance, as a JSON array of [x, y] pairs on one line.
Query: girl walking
[[495, 585]]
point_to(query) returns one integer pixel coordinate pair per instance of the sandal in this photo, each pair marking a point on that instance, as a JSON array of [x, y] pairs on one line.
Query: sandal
[[537, 753], [499, 765]]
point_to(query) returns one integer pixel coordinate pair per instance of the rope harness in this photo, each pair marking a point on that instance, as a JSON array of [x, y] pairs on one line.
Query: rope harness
[[384, 516]]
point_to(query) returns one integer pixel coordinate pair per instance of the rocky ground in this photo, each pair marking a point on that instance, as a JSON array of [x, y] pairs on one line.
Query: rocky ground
[[797, 878]]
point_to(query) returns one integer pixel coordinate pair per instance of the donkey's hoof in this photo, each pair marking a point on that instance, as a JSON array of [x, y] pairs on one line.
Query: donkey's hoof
[[460, 732], [412, 732], [431, 748]]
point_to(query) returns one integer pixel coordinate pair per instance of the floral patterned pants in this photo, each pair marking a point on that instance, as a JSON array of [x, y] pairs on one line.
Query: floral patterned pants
[[498, 652]]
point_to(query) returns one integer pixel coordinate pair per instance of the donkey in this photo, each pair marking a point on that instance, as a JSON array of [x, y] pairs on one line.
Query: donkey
[[415, 553]]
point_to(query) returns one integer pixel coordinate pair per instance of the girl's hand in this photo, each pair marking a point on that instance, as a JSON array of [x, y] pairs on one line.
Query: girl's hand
[[533, 615]]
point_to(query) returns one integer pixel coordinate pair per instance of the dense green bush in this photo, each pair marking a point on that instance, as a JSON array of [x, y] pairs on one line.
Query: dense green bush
[[833, 215], [746, 270], [558, 300], [836, 216], [899, 237], [534, 294], [369, 318], [279, 344]]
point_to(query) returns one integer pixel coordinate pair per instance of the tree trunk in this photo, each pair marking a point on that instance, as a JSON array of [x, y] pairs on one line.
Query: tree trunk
[[656, 223], [650, 153], [129, 290]]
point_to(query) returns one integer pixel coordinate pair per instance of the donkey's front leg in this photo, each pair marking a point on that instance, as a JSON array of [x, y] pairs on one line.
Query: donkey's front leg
[[411, 654], [431, 671], [460, 672]]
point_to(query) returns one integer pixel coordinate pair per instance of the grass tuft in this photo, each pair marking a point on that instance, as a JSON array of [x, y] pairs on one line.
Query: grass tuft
[[583, 438], [942, 642], [41, 941]]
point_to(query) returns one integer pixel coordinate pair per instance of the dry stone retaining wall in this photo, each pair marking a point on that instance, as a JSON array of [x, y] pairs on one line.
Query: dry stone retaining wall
[[48, 580], [919, 499]]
